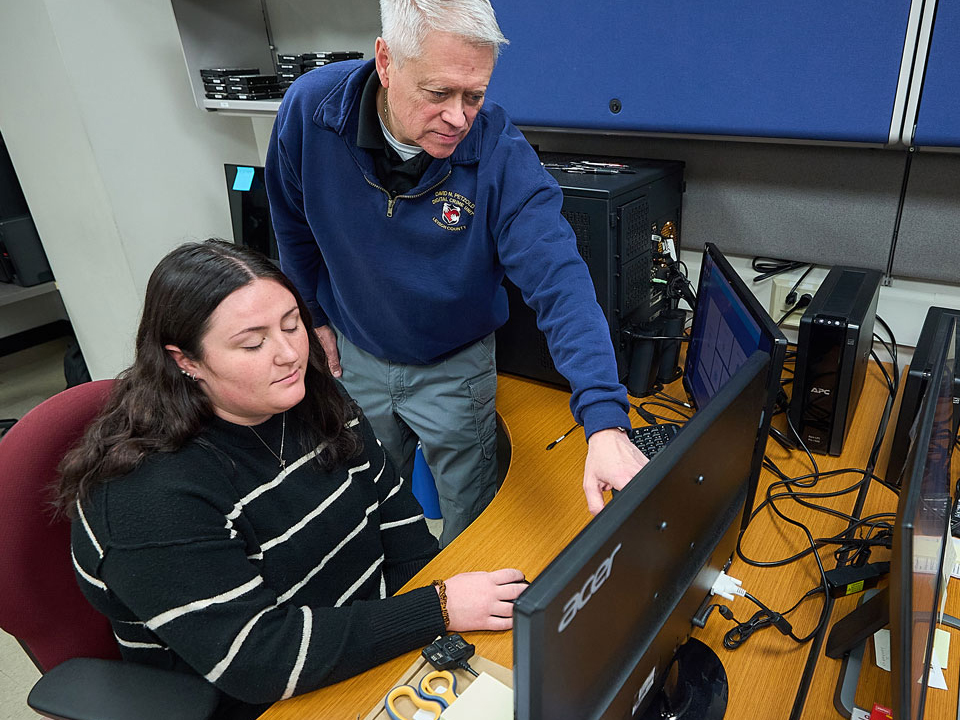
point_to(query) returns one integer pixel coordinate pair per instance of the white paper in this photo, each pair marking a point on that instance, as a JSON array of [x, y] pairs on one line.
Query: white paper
[[881, 648], [859, 714], [936, 679], [956, 551], [485, 699]]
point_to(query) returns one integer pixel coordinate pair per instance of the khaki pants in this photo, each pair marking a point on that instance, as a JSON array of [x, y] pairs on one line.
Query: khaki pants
[[449, 407]]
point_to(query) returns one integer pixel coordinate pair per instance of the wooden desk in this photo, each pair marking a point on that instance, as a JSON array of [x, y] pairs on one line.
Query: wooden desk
[[541, 507]]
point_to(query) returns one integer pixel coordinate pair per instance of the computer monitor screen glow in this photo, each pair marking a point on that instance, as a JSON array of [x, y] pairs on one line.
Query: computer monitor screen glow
[[920, 535]]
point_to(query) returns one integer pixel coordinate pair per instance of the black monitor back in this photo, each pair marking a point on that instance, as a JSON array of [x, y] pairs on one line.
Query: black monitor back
[[915, 382], [595, 633]]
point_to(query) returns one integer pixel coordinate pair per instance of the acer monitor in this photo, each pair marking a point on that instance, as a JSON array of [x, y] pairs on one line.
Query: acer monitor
[[729, 324], [597, 632], [910, 604], [935, 325]]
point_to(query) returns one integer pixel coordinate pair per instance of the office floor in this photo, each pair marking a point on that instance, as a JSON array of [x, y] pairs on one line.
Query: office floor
[[27, 378]]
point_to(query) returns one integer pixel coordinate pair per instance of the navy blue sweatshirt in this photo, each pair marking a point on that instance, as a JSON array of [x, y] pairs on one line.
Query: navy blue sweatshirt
[[411, 278]]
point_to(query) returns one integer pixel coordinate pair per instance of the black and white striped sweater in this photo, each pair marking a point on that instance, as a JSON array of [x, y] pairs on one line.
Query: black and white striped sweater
[[268, 583]]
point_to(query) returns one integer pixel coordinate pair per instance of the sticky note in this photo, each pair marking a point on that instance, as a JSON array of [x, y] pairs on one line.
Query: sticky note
[[485, 699], [941, 647], [244, 179], [881, 648], [949, 560]]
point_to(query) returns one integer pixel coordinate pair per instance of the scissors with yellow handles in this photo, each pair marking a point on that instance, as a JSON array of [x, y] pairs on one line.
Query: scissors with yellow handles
[[408, 696], [439, 685]]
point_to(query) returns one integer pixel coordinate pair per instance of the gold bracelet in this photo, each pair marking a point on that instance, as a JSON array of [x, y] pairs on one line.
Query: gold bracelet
[[441, 587]]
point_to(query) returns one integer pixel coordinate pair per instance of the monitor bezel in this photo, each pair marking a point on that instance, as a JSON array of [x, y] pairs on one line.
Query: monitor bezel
[[778, 355], [901, 577]]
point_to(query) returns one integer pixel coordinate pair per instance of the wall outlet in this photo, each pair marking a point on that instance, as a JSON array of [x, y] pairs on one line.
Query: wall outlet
[[778, 300]]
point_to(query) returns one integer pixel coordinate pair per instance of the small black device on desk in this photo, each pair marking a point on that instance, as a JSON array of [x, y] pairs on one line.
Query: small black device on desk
[[833, 349]]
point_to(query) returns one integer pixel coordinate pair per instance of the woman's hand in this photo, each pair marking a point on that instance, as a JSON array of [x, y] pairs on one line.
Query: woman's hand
[[483, 600]]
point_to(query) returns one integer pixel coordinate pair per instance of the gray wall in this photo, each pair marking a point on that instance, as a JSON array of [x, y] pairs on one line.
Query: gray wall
[[823, 204], [117, 163]]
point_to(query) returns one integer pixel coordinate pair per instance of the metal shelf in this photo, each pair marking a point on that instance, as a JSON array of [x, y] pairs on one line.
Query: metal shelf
[[11, 293], [256, 108]]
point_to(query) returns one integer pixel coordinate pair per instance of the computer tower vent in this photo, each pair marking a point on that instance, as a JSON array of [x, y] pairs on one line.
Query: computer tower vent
[[634, 222], [636, 283], [580, 222], [842, 299]]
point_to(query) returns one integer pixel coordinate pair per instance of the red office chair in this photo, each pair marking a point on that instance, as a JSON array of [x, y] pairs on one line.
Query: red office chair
[[41, 604]]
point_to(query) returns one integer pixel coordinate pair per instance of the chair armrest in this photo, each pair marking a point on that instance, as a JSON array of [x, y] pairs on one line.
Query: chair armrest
[[92, 689]]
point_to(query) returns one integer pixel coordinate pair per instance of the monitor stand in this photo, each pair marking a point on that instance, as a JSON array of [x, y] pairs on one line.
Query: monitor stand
[[695, 688], [848, 638]]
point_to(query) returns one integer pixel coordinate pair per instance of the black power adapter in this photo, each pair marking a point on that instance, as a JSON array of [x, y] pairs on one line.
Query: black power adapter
[[851, 579]]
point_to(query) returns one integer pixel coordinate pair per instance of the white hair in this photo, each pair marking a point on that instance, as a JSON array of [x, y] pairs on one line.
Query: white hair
[[405, 23]]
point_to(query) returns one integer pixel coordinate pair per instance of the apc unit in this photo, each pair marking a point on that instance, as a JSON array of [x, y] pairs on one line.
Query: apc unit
[[835, 338]]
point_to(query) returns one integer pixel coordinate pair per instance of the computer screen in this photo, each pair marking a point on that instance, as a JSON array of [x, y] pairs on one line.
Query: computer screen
[[920, 534], [250, 209], [596, 632], [730, 324]]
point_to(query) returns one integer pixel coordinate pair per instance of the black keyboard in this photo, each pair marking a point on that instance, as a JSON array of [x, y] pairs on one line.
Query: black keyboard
[[651, 439]]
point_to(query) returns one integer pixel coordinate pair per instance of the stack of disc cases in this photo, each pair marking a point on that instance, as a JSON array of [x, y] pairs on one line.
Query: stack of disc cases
[[239, 84], [290, 67]]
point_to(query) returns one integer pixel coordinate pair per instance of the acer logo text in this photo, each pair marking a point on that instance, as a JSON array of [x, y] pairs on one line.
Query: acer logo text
[[593, 583]]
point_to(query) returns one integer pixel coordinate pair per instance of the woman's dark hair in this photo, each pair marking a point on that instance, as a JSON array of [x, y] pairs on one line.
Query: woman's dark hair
[[154, 408]]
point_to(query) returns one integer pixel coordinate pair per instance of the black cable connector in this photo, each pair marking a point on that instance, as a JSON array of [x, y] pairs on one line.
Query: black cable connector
[[804, 300]]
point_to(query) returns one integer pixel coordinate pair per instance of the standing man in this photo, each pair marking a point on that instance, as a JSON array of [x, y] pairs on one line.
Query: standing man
[[399, 200]]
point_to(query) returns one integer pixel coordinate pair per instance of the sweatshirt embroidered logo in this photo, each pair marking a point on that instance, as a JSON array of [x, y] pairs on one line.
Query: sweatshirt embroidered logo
[[451, 213], [453, 210]]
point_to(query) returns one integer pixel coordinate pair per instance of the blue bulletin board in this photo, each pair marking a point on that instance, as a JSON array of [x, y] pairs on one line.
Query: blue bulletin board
[[812, 70]]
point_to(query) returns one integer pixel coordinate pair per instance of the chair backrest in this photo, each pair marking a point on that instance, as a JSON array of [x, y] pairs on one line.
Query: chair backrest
[[40, 602]]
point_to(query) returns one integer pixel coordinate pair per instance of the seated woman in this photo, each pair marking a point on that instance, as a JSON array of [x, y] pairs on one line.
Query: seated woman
[[235, 516]]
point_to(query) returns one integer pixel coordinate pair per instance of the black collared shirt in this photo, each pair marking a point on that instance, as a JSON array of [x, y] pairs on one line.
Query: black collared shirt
[[396, 174]]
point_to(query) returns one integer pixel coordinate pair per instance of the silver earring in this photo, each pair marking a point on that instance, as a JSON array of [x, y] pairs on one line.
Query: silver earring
[[192, 377]]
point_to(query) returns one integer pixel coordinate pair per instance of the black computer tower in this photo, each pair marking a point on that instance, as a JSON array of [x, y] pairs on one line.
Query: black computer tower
[[22, 259], [617, 219], [833, 349], [915, 380]]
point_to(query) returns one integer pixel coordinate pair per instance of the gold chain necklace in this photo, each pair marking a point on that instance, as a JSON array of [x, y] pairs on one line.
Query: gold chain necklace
[[283, 432]]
